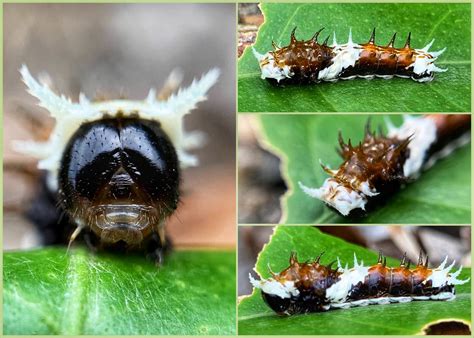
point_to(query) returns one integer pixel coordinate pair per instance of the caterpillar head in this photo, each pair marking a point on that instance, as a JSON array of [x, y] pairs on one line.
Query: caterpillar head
[[115, 164]]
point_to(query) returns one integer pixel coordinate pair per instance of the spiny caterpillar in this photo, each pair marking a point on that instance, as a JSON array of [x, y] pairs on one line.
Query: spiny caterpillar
[[313, 287], [113, 167], [304, 62], [381, 164]]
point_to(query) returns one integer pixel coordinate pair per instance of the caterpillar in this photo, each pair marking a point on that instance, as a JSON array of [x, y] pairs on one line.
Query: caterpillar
[[381, 164], [313, 287], [113, 167], [305, 62]]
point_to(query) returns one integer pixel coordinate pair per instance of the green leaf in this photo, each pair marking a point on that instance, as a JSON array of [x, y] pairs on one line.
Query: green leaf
[[450, 24], [51, 292], [256, 318], [441, 195]]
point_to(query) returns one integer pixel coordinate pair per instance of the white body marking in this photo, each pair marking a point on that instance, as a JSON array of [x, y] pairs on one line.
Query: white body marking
[[337, 294], [70, 116], [423, 133], [441, 275], [346, 55], [273, 287]]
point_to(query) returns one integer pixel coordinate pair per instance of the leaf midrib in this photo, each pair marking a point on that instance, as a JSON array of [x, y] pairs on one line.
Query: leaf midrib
[[73, 318]]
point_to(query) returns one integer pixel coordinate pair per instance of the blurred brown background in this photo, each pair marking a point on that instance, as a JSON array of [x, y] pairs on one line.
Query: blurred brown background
[[437, 242], [261, 185], [116, 49]]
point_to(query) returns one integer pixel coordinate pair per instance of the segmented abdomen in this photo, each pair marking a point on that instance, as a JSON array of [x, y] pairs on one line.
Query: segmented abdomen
[[308, 61]]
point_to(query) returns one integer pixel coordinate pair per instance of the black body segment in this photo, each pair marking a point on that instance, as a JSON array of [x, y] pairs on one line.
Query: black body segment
[[118, 183]]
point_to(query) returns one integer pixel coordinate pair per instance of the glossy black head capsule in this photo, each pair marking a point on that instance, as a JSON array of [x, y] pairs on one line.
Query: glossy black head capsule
[[119, 179]]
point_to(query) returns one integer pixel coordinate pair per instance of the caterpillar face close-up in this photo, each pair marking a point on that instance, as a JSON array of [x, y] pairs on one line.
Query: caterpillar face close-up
[[113, 167]]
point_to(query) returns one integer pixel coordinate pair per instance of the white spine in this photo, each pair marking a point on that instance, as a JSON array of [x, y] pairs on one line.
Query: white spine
[[340, 197]]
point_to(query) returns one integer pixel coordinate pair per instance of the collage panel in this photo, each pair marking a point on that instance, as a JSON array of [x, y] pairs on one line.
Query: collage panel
[[338, 168], [318, 57], [406, 162], [354, 280], [119, 200]]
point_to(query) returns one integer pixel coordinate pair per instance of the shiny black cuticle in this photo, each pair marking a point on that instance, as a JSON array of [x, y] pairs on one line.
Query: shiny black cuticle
[[119, 149]]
